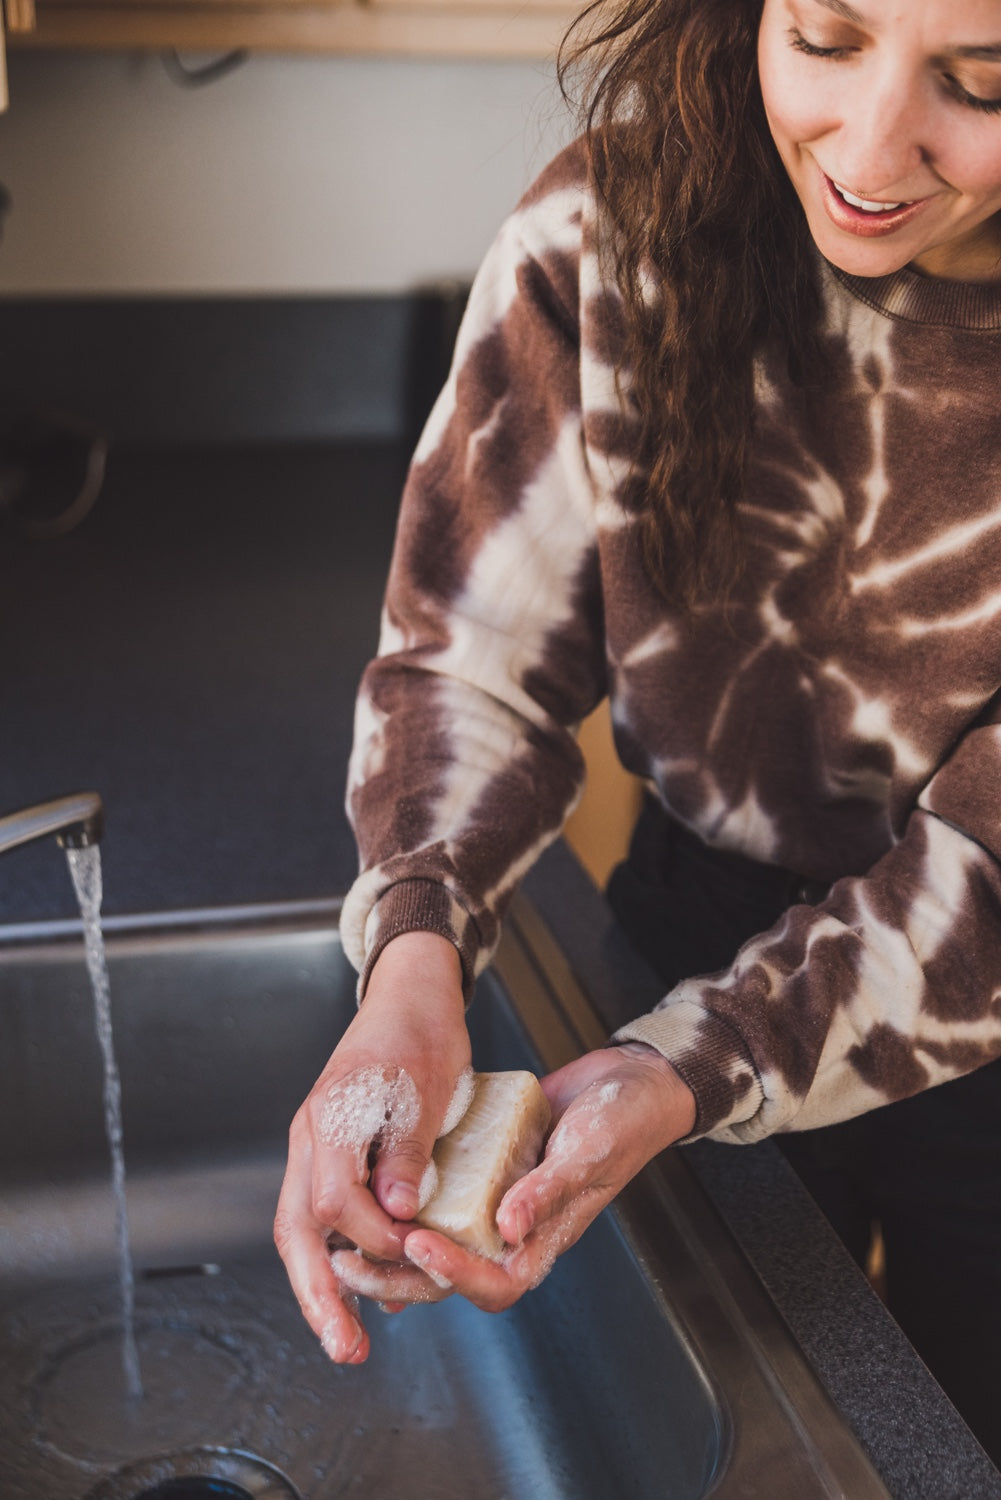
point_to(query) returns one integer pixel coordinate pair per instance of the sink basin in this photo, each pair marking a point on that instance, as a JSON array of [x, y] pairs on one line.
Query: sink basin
[[650, 1363]]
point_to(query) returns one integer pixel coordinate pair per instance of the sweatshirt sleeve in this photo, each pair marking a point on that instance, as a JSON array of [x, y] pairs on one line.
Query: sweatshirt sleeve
[[465, 763], [889, 986]]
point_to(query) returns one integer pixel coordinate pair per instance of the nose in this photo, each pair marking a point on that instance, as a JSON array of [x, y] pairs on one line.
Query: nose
[[883, 136]]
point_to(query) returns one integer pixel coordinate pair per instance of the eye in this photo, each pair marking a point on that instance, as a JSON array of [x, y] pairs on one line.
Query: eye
[[799, 42], [972, 101]]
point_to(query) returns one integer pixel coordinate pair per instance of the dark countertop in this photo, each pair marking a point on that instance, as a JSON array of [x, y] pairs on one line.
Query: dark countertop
[[192, 652], [911, 1432]]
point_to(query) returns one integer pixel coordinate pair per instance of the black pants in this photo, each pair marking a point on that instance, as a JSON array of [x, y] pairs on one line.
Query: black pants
[[926, 1171]]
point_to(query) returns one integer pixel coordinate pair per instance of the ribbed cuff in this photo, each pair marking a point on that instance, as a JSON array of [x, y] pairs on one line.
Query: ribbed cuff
[[421, 906], [710, 1057]]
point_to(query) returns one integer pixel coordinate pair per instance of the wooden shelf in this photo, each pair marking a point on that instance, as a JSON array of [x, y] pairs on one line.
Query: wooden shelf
[[449, 28]]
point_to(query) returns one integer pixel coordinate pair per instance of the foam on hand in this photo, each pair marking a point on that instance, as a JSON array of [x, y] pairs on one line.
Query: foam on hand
[[369, 1104]]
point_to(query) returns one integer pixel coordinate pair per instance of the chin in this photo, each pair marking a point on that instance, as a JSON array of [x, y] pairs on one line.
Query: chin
[[867, 265], [861, 257]]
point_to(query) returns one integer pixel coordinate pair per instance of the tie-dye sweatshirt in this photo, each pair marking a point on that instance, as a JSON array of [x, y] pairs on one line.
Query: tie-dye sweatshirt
[[843, 720]]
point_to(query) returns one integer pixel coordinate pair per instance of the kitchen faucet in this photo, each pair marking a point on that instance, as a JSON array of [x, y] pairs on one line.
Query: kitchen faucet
[[76, 821]]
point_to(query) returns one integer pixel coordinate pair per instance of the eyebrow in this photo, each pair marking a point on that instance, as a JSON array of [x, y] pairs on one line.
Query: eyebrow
[[982, 52], [845, 11], [986, 52]]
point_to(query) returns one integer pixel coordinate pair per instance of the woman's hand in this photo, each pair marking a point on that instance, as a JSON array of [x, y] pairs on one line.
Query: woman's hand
[[385, 1092], [614, 1110]]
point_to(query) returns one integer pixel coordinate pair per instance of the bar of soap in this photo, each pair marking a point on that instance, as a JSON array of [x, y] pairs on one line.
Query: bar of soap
[[498, 1140]]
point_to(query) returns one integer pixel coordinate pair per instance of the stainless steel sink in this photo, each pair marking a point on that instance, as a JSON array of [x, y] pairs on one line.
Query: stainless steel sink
[[649, 1364]]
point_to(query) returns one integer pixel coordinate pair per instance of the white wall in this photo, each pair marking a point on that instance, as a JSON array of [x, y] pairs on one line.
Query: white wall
[[292, 174]]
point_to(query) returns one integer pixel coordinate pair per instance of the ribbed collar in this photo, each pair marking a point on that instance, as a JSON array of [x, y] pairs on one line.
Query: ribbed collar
[[925, 299]]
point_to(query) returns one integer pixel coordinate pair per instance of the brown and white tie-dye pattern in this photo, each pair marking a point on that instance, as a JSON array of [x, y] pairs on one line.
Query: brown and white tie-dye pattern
[[842, 718]]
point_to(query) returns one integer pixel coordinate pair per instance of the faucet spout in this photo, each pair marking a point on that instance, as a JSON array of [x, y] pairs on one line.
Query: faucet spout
[[76, 821]]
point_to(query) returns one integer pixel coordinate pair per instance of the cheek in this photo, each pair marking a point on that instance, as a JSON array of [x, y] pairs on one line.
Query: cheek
[[769, 79], [793, 124], [796, 111], [979, 177], [971, 167]]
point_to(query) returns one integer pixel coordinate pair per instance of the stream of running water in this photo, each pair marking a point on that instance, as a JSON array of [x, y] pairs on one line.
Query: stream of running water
[[85, 868]]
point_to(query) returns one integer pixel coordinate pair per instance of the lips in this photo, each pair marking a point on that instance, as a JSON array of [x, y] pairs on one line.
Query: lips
[[866, 217]]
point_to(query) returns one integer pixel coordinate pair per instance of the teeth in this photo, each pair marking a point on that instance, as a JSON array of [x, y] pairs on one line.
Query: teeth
[[869, 207]]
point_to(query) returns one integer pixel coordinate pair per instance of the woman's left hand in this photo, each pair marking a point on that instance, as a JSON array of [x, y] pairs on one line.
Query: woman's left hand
[[613, 1110]]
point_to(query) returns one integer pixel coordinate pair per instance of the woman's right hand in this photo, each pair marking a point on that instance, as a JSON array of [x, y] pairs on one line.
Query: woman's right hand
[[386, 1088]]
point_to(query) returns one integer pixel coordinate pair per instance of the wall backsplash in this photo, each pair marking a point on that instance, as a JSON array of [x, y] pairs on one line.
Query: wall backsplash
[[289, 176]]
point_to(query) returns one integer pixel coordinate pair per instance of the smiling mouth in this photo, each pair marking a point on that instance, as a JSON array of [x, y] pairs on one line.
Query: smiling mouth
[[867, 218], [870, 205]]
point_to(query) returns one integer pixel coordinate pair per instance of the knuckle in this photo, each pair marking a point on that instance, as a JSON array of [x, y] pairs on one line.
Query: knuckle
[[408, 1152], [313, 1113], [284, 1232], [498, 1302], [329, 1203]]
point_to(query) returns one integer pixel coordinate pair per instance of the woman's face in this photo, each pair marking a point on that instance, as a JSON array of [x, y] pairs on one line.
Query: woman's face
[[887, 115]]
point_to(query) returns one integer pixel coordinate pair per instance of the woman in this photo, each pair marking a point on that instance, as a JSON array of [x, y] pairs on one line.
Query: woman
[[721, 441]]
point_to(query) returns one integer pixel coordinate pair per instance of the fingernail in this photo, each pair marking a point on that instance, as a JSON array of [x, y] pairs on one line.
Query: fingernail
[[524, 1219], [401, 1200], [332, 1346], [421, 1257]]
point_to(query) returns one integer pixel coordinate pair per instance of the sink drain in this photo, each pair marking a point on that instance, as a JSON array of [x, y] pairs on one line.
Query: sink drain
[[199, 1474]]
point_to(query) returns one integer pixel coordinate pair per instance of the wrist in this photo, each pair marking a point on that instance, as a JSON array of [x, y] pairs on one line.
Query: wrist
[[426, 963], [681, 1102]]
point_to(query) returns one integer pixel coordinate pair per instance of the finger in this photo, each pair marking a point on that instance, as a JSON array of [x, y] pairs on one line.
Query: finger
[[336, 1130], [386, 1282], [532, 1261], [575, 1165], [376, 1104], [300, 1242], [487, 1284], [349, 1207], [404, 1177]]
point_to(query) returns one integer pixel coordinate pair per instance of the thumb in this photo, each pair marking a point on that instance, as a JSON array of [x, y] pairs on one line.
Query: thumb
[[543, 1194], [575, 1167], [404, 1178]]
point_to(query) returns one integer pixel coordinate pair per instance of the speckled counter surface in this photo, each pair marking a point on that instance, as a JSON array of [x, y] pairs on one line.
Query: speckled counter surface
[[191, 652], [912, 1433]]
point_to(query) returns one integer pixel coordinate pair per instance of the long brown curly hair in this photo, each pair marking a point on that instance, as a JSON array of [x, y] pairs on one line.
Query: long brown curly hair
[[695, 192]]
